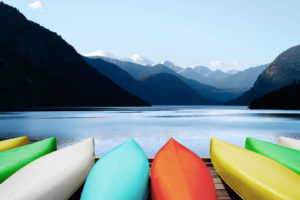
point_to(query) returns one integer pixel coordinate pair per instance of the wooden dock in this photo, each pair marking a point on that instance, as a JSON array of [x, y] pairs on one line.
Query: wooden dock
[[224, 192]]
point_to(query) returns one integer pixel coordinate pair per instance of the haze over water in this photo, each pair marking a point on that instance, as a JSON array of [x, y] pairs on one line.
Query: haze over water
[[151, 127]]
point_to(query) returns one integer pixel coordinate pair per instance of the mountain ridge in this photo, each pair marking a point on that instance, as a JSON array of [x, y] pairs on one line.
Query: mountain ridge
[[232, 79], [39, 69], [242, 79], [139, 71], [281, 72], [157, 88], [182, 94]]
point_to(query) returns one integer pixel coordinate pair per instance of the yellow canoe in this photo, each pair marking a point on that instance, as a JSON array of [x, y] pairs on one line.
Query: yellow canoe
[[251, 175], [13, 143]]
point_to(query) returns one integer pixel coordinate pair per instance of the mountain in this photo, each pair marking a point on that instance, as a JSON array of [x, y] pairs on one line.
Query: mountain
[[167, 89], [141, 71], [205, 71], [158, 89], [242, 79], [171, 65], [39, 69], [283, 71], [233, 71], [220, 95], [203, 74], [285, 98], [117, 75]]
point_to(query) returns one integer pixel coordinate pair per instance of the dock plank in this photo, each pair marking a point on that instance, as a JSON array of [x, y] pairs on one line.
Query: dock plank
[[224, 192]]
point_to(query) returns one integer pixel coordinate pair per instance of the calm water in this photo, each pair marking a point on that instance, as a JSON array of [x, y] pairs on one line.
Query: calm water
[[152, 127]]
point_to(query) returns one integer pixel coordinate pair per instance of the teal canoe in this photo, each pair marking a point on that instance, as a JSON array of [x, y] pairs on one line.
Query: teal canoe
[[290, 158], [14, 159], [121, 174]]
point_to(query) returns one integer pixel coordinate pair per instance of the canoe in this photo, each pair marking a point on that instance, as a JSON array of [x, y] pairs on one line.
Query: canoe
[[13, 143], [55, 176], [177, 173], [289, 142], [251, 175], [289, 158], [14, 159], [121, 174]]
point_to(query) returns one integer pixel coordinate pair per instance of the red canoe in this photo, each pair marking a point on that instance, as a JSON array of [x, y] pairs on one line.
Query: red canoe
[[177, 173]]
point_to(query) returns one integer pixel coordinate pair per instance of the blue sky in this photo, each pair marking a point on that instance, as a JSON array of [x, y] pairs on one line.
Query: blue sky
[[224, 34]]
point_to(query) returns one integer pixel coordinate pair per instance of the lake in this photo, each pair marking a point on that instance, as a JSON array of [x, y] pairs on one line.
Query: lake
[[151, 127]]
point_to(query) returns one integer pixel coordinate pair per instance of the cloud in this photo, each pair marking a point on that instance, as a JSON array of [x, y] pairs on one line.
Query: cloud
[[101, 53], [140, 60], [136, 58], [233, 65], [36, 5]]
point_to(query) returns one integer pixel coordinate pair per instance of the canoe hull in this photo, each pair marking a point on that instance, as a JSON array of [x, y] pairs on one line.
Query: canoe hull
[[251, 175], [289, 142], [13, 143], [55, 176], [289, 158], [122, 173], [14, 159], [178, 173]]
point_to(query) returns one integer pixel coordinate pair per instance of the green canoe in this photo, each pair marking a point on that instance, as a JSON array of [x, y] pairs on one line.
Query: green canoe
[[14, 159], [290, 158]]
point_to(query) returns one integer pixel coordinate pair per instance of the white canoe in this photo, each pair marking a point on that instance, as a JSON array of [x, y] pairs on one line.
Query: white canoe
[[55, 176], [289, 142]]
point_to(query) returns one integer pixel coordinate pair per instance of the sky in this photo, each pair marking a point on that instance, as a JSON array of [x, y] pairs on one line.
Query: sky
[[220, 34]]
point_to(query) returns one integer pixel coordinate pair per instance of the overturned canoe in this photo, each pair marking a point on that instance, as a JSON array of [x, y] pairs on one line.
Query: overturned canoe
[[177, 173], [251, 175], [14, 159], [55, 176], [289, 158], [13, 143], [121, 174], [289, 142]]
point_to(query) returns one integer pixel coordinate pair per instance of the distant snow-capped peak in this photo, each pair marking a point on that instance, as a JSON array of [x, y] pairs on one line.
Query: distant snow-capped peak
[[171, 65]]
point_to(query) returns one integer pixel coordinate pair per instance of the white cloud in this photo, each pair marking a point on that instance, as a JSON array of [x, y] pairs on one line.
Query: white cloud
[[36, 5], [101, 53], [136, 58], [233, 65], [216, 64], [140, 60]]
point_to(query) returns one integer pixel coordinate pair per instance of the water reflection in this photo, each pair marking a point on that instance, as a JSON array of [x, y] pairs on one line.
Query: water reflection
[[152, 126]]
